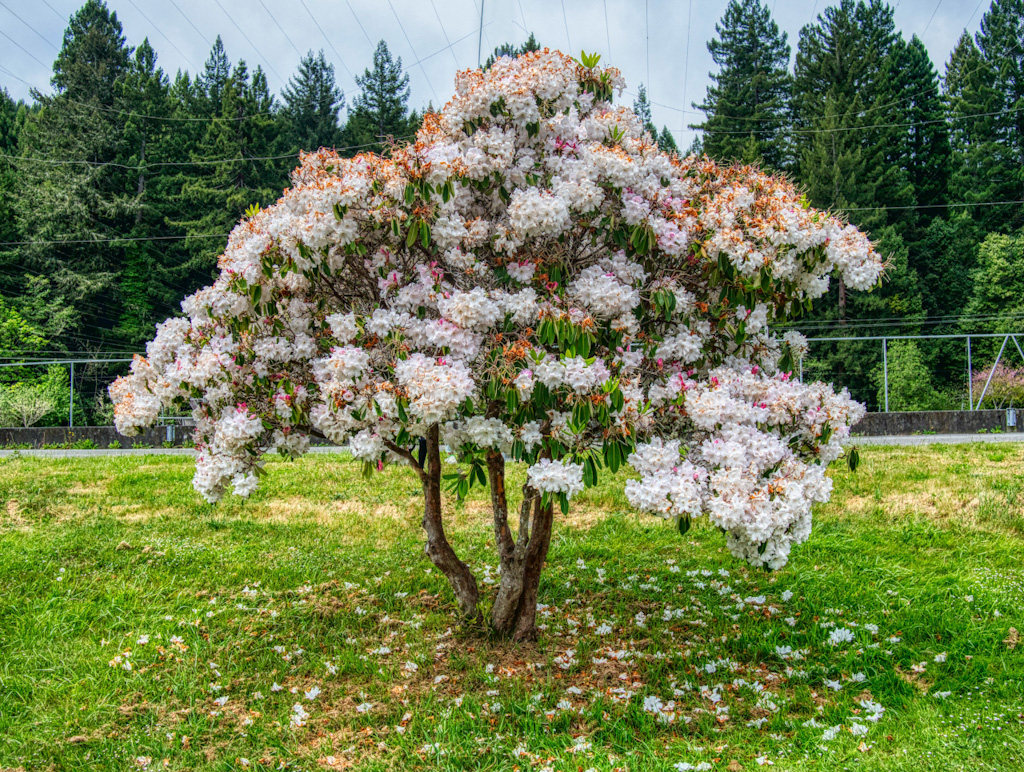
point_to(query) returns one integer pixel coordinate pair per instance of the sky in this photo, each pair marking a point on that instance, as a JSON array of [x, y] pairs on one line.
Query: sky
[[662, 43]]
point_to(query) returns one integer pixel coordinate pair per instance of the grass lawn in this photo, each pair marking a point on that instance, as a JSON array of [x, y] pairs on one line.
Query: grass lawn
[[143, 628]]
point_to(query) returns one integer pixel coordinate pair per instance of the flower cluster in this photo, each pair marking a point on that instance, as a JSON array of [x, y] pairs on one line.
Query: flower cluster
[[534, 276], [556, 477]]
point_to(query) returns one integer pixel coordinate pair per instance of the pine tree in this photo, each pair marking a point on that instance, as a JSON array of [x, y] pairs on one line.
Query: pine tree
[[145, 286], [747, 108], [380, 111], [927, 156], [667, 141], [213, 81], [12, 115], [234, 169], [508, 49], [846, 106], [978, 157], [312, 103], [852, 146], [642, 108], [999, 41], [83, 120]]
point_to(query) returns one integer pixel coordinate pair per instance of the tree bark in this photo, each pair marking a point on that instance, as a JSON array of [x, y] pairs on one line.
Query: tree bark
[[438, 549], [514, 612]]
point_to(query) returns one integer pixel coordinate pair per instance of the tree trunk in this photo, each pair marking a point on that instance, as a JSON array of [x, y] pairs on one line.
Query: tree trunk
[[438, 549], [515, 606]]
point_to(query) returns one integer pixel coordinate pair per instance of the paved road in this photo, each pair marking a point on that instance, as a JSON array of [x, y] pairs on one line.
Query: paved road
[[133, 452], [939, 439], [915, 439]]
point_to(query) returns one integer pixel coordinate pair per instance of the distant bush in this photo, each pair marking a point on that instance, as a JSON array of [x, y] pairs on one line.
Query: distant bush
[[910, 380], [24, 404], [1006, 389]]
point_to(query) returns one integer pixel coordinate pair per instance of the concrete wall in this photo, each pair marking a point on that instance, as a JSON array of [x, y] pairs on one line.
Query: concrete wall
[[938, 422], [103, 436], [872, 425]]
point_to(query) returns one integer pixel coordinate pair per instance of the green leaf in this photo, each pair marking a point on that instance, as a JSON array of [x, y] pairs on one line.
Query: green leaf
[[564, 501], [684, 525], [853, 458], [410, 238]]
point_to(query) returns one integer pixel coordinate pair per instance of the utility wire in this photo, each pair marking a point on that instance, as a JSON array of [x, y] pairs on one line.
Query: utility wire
[[38, 34], [254, 48], [189, 20], [59, 16], [411, 48], [353, 10], [278, 24], [19, 45], [331, 44], [158, 29], [565, 19], [445, 33]]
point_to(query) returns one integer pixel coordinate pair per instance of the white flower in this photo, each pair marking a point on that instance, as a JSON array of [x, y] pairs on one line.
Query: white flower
[[840, 635], [561, 477]]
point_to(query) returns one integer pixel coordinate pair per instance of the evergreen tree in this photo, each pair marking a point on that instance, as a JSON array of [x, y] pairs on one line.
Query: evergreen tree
[[927, 154], [978, 158], [847, 114], [747, 108], [666, 141], [145, 293], [235, 168], [84, 121], [508, 49], [213, 81], [380, 111], [999, 42], [312, 103], [642, 108], [11, 117]]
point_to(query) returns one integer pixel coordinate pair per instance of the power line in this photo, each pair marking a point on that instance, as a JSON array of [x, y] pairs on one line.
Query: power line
[[930, 20], [565, 19], [647, 38], [38, 34], [158, 29], [111, 241], [911, 124], [189, 20], [353, 10], [19, 45], [254, 48], [59, 16], [927, 206], [411, 48], [607, 30], [111, 164], [331, 44], [445, 32], [276, 22], [214, 161]]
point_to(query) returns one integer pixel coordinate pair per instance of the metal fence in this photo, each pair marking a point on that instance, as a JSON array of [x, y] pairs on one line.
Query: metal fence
[[954, 370], [955, 366]]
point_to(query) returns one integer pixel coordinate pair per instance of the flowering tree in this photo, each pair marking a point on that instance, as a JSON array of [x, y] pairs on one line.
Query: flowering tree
[[532, 279]]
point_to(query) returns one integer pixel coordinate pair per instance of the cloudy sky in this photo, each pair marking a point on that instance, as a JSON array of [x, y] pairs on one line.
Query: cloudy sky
[[660, 42]]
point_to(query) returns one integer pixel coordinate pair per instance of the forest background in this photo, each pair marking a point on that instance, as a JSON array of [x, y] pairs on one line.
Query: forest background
[[117, 189]]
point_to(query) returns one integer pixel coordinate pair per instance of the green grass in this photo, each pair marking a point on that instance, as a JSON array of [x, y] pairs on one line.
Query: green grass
[[320, 581]]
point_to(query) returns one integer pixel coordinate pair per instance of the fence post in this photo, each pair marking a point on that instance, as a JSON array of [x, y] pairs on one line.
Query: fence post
[[885, 371], [71, 399], [970, 377]]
